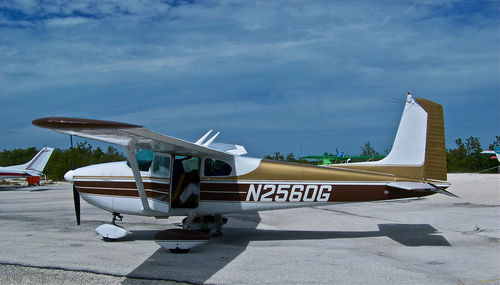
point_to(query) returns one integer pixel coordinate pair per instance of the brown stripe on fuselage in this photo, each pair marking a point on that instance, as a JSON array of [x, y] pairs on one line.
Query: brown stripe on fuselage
[[154, 190], [338, 193], [165, 197], [123, 184], [357, 193], [239, 192]]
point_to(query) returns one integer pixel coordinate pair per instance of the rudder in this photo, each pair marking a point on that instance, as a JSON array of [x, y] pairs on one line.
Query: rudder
[[435, 147]]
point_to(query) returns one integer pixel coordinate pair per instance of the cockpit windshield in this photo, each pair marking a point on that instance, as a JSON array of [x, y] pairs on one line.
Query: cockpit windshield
[[144, 159]]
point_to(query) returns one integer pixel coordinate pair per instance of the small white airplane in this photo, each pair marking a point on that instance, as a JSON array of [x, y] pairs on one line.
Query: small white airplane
[[34, 167], [203, 180], [495, 151]]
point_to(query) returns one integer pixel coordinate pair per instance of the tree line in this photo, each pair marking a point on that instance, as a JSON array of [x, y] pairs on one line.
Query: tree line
[[367, 151], [466, 157]]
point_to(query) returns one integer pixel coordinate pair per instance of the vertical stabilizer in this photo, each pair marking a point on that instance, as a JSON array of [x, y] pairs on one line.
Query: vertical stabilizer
[[419, 150], [409, 145], [420, 139]]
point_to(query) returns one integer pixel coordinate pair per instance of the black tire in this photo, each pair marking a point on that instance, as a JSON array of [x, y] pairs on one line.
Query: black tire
[[106, 239], [179, 250]]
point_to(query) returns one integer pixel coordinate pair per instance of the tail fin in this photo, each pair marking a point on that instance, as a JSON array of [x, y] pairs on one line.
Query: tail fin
[[420, 139], [419, 146], [38, 162]]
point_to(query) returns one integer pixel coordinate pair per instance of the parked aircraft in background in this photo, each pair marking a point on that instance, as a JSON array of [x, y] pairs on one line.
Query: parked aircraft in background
[[342, 158], [495, 151], [166, 176], [34, 167]]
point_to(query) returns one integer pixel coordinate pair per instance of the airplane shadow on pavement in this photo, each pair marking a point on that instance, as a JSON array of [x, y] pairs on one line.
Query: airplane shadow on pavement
[[201, 262], [208, 259]]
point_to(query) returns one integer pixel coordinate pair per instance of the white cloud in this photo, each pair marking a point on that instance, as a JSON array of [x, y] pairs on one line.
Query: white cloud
[[70, 21]]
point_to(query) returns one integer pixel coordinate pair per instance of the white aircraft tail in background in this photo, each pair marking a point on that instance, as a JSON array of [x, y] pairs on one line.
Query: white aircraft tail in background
[[34, 167]]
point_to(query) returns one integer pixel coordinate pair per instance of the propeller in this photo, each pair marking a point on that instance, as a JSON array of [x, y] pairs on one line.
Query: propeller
[[76, 200], [76, 195]]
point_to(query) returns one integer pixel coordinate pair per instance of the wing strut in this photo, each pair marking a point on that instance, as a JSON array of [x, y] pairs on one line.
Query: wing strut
[[137, 176]]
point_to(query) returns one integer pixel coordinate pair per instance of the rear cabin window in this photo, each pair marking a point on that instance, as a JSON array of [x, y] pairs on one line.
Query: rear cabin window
[[214, 167]]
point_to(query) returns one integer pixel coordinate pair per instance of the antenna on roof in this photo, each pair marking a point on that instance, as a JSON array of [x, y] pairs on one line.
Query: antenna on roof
[[200, 141], [211, 140]]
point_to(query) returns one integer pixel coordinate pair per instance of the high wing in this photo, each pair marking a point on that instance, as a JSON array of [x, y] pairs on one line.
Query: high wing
[[132, 137], [128, 135]]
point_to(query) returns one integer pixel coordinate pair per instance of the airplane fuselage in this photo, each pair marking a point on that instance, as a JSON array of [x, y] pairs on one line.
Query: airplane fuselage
[[111, 186]]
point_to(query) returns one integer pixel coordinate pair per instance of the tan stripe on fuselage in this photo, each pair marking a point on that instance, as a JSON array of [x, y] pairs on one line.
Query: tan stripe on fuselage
[[277, 170]]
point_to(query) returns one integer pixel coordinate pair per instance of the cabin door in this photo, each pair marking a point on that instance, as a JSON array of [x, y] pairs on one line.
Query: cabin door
[[185, 189]]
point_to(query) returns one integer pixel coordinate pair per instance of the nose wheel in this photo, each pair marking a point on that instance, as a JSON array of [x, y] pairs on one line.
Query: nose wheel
[[112, 232]]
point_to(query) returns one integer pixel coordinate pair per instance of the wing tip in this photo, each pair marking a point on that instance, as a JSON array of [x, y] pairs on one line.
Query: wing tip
[[78, 123]]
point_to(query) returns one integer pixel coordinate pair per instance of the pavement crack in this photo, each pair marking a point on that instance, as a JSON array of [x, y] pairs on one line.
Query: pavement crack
[[92, 272], [356, 215]]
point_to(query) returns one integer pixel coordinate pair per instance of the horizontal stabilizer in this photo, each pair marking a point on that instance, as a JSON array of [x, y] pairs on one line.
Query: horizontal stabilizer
[[233, 149], [420, 186]]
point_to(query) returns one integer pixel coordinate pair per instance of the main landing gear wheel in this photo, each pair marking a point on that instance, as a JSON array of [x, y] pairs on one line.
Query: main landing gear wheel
[[211, 224], [180, 240], [196, 231]]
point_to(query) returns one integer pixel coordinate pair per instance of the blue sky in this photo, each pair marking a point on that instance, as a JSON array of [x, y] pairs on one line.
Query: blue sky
[[292, 76]]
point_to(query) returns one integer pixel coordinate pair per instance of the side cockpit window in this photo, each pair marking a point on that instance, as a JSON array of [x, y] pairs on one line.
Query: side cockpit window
[[214, 167], [161, 165]]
